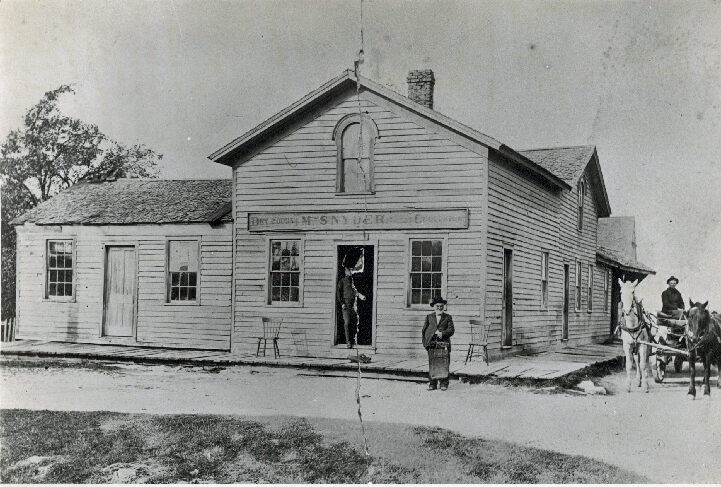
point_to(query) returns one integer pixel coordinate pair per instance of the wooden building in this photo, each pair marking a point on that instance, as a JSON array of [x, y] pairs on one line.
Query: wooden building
[[433, 206], [137, 262]]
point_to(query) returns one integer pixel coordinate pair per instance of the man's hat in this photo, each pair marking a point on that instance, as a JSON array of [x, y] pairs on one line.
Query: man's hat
[[672, 278], [438, 300]]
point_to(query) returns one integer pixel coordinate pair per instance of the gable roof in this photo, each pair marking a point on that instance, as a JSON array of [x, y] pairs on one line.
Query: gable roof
[[130, 201], [616, 244], [347, 80], [569, 164]]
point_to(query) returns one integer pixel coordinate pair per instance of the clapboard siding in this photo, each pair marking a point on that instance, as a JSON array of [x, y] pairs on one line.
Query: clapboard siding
[[205, 326], [529, 219], [413, 168]]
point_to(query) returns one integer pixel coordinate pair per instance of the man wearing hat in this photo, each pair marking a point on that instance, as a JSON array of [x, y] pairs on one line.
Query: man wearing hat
[[672, 300], [438, 326]]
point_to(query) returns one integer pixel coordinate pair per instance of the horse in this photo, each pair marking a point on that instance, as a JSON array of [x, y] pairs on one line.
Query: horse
[[634, 330], [703, 336]]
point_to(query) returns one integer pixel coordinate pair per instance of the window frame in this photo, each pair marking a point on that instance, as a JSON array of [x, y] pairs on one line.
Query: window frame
[[269, 268], [409, 262], [46, 271], [589, 289], [578, 291], [182, 238], [606, 283], [581, 202], [545, 266], [367, 124]]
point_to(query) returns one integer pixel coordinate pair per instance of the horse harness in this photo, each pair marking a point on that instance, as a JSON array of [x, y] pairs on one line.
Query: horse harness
[[635, 332]]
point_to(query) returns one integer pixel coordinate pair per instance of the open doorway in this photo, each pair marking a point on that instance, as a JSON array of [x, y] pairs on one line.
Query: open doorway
[[361, 258]]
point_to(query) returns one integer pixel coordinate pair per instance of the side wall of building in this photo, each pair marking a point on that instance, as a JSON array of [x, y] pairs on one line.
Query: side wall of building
[[415, 168], [205, 325], [528, 219]]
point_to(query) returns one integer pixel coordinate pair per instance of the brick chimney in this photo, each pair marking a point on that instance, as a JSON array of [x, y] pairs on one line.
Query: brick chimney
[[420, 86]]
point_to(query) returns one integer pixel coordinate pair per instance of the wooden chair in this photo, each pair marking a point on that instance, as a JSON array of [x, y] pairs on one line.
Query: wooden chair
[[271, 330], [479, 338]]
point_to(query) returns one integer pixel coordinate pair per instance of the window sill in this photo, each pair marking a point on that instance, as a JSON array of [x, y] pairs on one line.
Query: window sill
[[364, 193], [59, 300], [285, 304], [182, 303]]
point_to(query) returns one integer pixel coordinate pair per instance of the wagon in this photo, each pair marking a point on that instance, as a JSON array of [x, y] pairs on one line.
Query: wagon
[[669, 343]]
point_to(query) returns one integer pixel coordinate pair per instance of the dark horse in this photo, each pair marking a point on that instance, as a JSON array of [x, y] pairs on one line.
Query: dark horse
[[703, 336]]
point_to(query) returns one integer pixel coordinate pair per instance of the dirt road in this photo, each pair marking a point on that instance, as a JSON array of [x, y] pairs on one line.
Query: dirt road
[[652, 434]]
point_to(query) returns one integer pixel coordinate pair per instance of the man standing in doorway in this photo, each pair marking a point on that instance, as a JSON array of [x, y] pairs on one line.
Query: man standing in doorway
[[672, 299], [347, 293]]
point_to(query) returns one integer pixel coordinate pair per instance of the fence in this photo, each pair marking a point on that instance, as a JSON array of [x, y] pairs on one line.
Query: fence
[[7, 331]]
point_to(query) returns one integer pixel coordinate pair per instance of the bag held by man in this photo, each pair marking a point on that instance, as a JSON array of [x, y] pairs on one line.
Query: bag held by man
[[439, 359]]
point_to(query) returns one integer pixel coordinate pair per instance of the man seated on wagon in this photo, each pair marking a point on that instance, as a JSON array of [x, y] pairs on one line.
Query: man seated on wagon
[[672, 300]]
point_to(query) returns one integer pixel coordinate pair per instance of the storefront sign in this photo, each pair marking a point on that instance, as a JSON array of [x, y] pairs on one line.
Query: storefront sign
[[359, 220]]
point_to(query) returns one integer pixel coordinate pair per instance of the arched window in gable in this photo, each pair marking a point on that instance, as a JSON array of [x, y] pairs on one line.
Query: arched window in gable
[[355, 138], [581, 190]]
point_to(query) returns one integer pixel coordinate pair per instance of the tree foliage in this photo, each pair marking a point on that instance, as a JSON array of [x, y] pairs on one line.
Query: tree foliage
[[49, 153]]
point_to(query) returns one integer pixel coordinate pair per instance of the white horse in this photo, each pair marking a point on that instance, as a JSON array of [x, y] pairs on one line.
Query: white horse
[[633, 330]]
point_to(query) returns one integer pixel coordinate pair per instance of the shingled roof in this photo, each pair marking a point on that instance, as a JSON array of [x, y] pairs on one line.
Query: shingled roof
[[567, 163], [129, 201]]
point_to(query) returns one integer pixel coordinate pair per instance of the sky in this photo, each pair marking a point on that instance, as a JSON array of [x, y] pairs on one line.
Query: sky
[[640, 80]]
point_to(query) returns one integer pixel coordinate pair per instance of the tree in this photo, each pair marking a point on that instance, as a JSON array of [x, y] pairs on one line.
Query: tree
[[51, 152]]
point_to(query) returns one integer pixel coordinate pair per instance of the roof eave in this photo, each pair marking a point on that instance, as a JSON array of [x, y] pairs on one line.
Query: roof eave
[[613, 262]]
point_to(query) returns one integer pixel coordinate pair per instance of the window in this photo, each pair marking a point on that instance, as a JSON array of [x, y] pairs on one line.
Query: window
[[577, 305], [589, 304], [581, 190], [285, 264], [182, 270], [355, 137], [59, 269], [426, 270], [606, 283], [544, 280]]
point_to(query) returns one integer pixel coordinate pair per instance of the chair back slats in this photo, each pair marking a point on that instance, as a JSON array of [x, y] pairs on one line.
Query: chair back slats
[[271, 328], [479, 331]]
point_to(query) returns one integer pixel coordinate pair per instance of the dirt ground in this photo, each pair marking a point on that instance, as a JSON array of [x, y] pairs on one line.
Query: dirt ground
[[662, 435]]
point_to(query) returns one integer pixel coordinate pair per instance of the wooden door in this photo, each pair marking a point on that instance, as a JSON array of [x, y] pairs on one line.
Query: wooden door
[[120, 279], [507, 338], [566, 300]]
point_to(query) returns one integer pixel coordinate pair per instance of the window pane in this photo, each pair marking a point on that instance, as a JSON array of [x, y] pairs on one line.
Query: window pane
[[183, 256], [68, 289], [275, 296], [294, 278], [294, 294], [191, 293], [174, 294], [276, 263], [427, 247], [174, 278], [183, 294], [294, 249], [192, 278], [416, 248], [437, 261], [285, 263], [416, 264], [183, 278], [285, 279], [53, 247], [436, 280], [426, 280], [416, 296], [426, 296], [415, 281], [426, 264], [68, 261], [52, 289], [53, 276], [284, 294], [275, 279], [438, 247], [294, 263]]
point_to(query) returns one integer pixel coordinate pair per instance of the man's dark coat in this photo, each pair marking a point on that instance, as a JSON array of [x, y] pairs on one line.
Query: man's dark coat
[[672, 300], [431, 325]]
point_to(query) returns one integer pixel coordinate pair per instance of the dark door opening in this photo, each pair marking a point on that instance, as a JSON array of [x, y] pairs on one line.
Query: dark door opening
[[615, 299], [363, 258], [507, 338], [566, 300]]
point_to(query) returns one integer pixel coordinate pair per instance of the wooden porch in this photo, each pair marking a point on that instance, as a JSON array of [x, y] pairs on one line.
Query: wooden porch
[[544, 365]]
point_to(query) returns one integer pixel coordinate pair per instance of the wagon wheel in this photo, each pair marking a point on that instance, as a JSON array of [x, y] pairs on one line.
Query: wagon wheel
[[678, 363], [660, 370]]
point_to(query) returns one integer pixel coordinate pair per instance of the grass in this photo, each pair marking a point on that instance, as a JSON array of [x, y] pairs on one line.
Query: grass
[[102, 447]]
